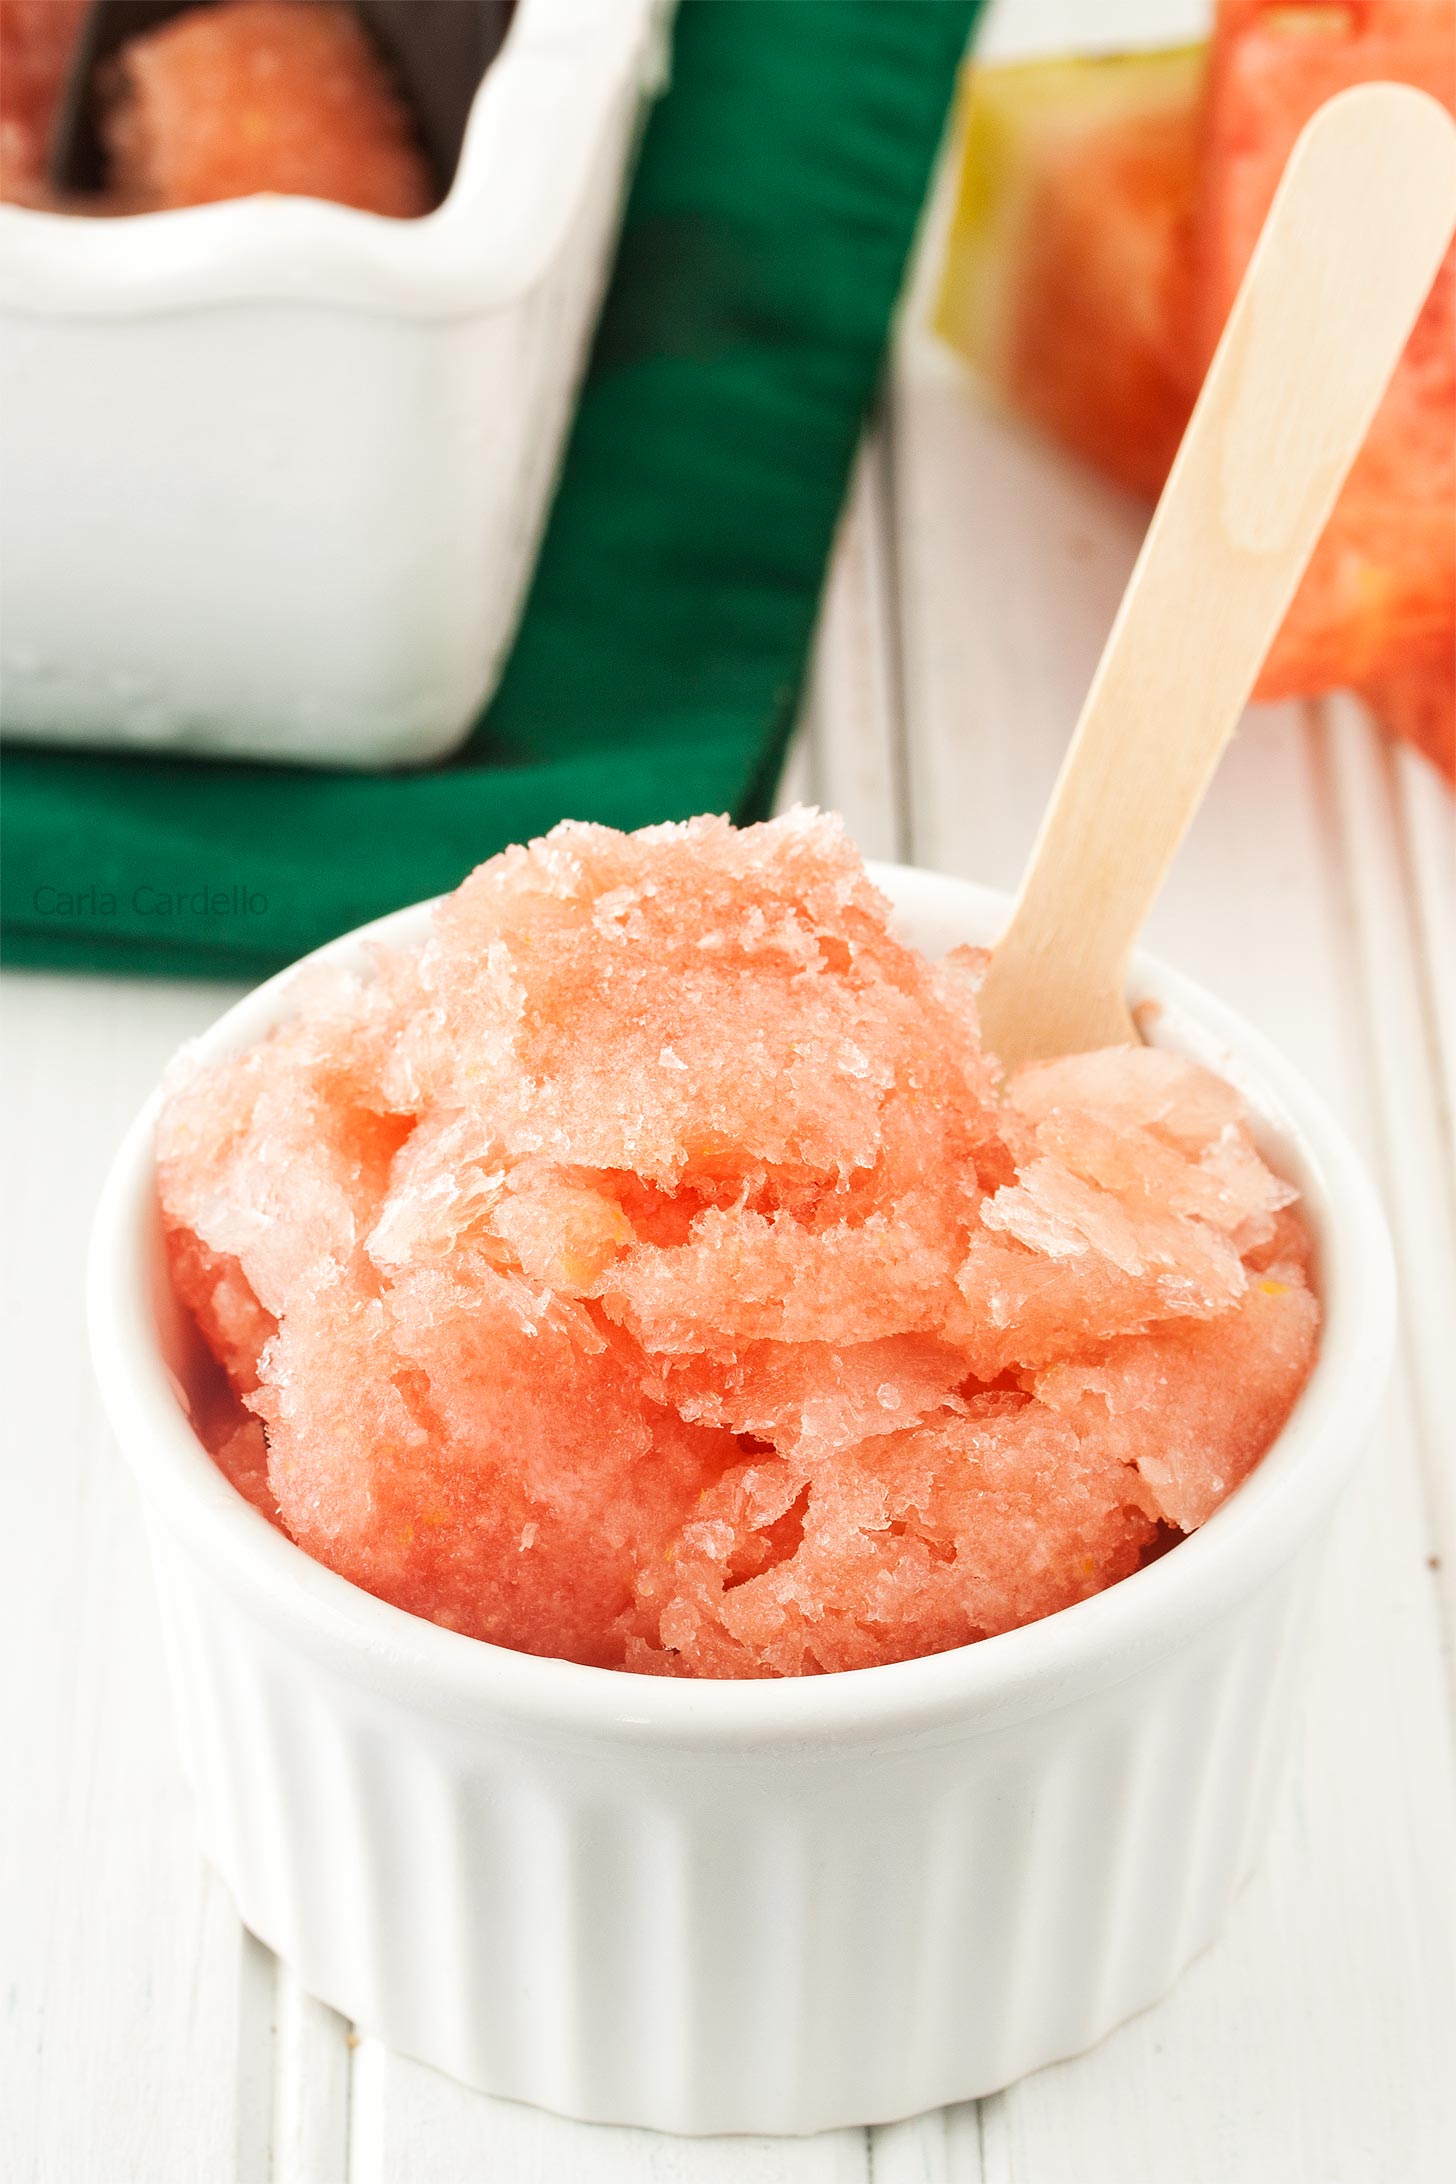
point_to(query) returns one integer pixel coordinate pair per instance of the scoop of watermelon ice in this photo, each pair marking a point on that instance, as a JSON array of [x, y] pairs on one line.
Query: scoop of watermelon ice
[[261, 95], [650, 1268]]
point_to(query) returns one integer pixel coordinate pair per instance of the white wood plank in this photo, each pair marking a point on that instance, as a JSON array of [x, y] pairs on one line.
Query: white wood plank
[[257, 2057], [854, 706], [1002, 620], [944, 2147], [121, 1954], [796, 782], [1414, 1148], [410, 2123], [1306, 2043], [309, 2140], [1427, 812]]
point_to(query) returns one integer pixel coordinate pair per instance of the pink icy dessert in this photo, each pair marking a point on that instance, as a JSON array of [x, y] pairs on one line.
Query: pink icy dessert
[[651, 1269]]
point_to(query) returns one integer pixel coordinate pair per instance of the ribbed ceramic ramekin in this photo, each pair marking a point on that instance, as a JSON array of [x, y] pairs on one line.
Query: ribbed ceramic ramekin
[[276, 470], [764, 1906]]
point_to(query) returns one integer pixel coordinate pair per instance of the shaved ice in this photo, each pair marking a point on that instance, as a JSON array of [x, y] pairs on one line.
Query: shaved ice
[[652, 1270]]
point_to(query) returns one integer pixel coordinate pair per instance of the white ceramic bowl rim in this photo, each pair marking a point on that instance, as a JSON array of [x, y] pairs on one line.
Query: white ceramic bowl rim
[[1018, 1674], [525, 161]]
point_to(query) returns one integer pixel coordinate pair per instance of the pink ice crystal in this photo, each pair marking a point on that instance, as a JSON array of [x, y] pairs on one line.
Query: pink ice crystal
[[651, 1269]]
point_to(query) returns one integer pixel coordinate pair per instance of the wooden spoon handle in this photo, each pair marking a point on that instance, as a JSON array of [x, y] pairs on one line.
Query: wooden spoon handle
[[1347, 255]]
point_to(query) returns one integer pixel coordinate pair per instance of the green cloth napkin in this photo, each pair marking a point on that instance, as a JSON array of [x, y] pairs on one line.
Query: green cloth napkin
[[658, 667]]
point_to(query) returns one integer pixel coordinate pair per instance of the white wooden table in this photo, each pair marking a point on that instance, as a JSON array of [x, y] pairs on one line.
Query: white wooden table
[[149, 2040]]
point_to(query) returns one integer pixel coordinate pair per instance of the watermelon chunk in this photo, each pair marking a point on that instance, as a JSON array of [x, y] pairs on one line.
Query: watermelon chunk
[[1107, 209], [1068, 274], [1417, 701], [1271, 64]]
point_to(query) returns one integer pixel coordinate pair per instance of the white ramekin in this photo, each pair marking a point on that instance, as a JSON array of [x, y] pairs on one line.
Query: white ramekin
[[764, 1906], [276, 470]]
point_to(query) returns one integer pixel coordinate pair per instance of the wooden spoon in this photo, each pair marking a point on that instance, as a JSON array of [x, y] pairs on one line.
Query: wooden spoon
[[1353, 239]]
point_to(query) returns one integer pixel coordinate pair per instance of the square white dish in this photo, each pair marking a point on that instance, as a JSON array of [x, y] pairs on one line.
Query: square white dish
[[275, 471]]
